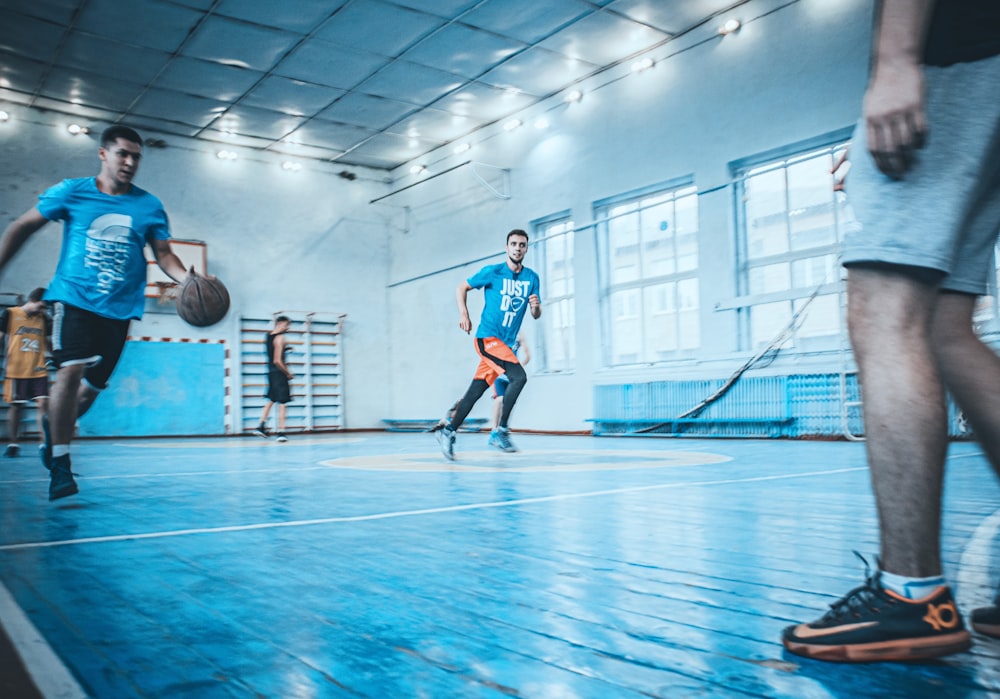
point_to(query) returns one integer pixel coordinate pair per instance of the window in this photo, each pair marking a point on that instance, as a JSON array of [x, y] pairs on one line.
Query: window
[[792, 226], [556, 350], [649, 269]]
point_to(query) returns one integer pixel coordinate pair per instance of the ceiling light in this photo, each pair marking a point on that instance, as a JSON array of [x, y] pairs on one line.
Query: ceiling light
[[512, 124], [541, 123], [573, 96], [226, 155], [729, 27], [413, 143], [462, 147], [290, 166], [4, 116], [642, 64], [417, 169], [76, 129]]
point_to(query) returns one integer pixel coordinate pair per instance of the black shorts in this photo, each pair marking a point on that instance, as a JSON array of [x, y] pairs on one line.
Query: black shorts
[[278, 389], [82, 337]]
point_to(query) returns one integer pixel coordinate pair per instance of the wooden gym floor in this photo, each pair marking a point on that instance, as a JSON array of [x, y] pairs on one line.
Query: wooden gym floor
[[364, 565]]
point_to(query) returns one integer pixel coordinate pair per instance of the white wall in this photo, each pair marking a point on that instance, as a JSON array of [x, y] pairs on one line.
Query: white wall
[[791, 74], [298, 241]]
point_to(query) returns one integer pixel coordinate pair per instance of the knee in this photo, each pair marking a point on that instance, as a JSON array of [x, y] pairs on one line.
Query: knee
[[517, 377]]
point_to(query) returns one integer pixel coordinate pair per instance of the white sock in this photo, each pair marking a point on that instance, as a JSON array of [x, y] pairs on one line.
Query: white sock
[[59, 450], [911, 588]]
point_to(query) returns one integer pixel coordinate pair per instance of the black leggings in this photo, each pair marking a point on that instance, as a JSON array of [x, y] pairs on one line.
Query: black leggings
[[517, 378]]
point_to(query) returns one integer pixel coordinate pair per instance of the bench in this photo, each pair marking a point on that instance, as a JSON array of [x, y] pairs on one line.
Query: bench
[[472, 424], [678, 427]]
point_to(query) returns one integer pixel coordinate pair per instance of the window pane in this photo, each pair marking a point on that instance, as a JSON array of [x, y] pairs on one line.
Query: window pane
[[658, 240], [766, 214], [767, 320], [767, 278], [822, 317], [810, 198], [813, 271], [661, 321], [686, 232], [623, 246], [689, 324], [560, 335], [626, 327]]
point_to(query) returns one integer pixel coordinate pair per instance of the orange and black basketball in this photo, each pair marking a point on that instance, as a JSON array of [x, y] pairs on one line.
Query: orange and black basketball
[[202, 301]]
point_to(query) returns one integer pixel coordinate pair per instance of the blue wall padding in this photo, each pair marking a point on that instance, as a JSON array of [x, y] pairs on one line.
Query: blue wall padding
[[162, 388]]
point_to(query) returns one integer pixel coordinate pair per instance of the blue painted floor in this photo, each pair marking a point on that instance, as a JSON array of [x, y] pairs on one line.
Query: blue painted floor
[[363, 565]]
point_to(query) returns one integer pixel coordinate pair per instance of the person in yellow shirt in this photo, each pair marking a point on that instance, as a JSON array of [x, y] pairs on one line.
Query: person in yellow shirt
[[26, 330]]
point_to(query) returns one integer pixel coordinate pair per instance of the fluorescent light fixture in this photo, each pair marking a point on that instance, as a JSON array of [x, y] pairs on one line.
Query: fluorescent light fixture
[[730, 26], [541, 123], [512, 124], [573, 96], [462, 147], [642, 64], [290, 166], [4, 116], [76, 129], [417, 169], [226, 155]]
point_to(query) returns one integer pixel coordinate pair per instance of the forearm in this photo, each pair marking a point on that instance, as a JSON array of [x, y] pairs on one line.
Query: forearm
[[901, 32], [172, 266], [17, 233]]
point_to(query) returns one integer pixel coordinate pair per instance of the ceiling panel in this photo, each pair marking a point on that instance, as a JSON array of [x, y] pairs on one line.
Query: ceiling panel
[[464, 50], [324, 63], [291, 96], [301, 16], [604, 38], [165, 26], [361, 109], [538, 72], [371, 83], [363, 25]]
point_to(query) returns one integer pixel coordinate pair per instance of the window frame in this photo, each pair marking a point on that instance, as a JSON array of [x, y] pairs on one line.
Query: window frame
[[641, 286], [540, 351]]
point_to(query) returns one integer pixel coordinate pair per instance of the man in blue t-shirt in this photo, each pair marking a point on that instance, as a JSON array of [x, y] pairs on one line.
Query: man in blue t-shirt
[[99, 282], [509, 289], [925, 188]]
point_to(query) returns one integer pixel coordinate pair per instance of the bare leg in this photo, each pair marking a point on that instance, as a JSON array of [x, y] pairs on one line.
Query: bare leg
[[13, 422], [267, 411], [64, 402], [889, 318], [282, 414], [970, 369], [497, 409], [43, 406]]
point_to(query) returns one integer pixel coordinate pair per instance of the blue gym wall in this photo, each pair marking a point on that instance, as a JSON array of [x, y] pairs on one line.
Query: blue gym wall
[[162, 388]]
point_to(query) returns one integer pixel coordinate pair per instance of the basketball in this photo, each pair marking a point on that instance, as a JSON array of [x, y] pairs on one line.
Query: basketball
[[202, 301]]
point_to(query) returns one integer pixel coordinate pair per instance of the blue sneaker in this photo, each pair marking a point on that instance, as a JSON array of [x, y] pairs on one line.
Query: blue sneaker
[[45, 449], [500, 439], [446, 438], [61, 484]]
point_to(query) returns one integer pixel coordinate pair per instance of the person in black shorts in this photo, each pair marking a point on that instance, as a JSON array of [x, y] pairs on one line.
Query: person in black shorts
[[27, 330], [278, 376]]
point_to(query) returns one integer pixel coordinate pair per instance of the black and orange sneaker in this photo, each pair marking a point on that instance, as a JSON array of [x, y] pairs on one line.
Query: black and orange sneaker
[[873, 624]]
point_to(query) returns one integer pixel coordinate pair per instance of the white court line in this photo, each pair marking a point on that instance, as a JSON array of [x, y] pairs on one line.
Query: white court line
[[414, 513], [51, 677]]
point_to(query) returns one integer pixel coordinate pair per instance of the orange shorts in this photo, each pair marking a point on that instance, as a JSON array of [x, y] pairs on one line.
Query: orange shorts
[[492, 351]]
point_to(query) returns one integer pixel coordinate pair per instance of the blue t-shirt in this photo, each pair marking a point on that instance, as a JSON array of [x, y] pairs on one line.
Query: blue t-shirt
[[102, 267], [506, 299]]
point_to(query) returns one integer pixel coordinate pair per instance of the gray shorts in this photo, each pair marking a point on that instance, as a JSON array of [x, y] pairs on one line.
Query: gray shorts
[[945, 213]]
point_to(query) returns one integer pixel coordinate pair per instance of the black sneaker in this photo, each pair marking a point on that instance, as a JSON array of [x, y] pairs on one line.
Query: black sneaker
[[61, 483], [261, 431], [874, 624], [986, 620], [281, 437], [12, 451], [45, 449]]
